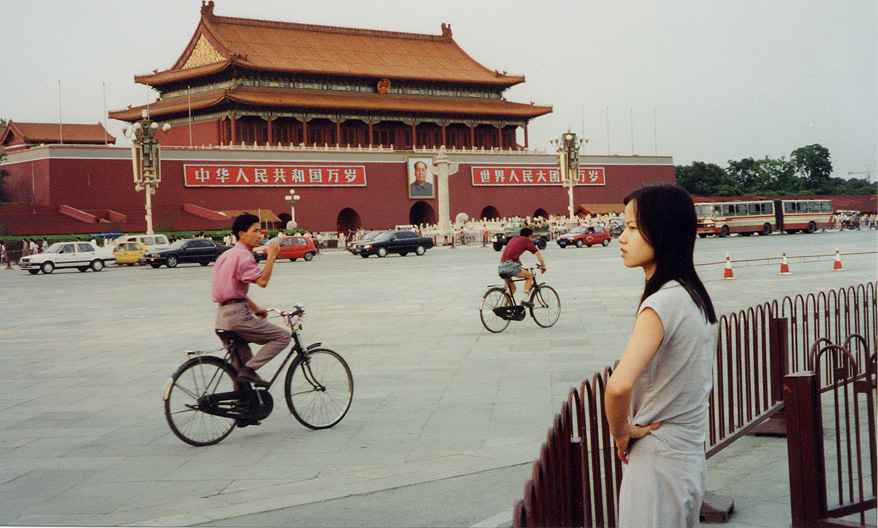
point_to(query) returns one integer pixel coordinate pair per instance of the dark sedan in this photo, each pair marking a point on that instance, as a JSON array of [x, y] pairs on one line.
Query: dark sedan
[[402, 242], [192, 250]]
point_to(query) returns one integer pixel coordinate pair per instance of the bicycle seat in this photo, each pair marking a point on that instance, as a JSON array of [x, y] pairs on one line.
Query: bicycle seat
[[505, 276], [227, 336]]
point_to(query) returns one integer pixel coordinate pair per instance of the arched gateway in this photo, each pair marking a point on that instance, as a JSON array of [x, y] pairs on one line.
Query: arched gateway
[[422, 213], [348, 220]]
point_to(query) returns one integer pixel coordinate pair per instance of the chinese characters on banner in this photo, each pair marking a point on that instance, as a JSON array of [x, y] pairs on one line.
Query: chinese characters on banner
[[533, 175], [300, 175]]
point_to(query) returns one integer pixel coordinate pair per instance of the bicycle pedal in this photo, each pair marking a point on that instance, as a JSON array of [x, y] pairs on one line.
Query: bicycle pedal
[[244, 422]]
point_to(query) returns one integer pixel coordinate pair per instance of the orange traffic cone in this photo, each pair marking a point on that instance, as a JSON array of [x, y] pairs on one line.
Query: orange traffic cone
[[727, 274], [836, 266], [784, 267]]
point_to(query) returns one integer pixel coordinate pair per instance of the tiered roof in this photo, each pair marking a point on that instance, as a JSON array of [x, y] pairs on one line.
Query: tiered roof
[[272, 46], [339, 101], [260, 49], [53, 133]]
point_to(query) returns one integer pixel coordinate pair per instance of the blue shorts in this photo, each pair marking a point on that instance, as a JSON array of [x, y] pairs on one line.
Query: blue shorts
[[509, 269]]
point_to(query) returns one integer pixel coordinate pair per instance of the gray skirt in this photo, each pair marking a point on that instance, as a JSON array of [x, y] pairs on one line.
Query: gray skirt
[[661, 486]]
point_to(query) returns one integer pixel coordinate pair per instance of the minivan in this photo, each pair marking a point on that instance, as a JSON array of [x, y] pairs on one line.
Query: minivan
[[152, 242]]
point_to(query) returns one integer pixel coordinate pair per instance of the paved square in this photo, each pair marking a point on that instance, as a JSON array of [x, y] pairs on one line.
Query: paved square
[[446, 417]]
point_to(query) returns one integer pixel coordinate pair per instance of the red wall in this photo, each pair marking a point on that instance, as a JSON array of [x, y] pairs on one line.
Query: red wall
[[98, 179]]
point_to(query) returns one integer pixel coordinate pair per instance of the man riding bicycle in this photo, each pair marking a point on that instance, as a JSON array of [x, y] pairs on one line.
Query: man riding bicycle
[[235, 270], [510, 265]]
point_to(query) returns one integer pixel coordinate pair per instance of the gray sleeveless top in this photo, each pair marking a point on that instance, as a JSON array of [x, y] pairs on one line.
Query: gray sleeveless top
[[675, 385]]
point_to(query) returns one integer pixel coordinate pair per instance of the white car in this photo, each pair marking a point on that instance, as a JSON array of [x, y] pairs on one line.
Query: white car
[[79, 255]]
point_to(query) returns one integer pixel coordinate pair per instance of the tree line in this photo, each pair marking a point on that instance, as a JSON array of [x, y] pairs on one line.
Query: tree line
[[807, 171]]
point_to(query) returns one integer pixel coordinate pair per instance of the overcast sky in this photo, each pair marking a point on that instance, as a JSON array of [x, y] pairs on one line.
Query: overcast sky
[[698, 81]]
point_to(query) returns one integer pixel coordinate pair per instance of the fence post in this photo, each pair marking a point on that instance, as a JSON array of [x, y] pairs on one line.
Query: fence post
[[778, 365], [805, 449]]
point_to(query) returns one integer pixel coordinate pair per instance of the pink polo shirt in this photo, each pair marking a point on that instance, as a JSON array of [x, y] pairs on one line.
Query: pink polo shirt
[[234, 271]]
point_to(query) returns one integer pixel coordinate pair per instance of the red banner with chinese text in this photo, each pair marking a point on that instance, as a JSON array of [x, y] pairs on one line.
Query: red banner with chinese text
[[533, 175], [298, 174]]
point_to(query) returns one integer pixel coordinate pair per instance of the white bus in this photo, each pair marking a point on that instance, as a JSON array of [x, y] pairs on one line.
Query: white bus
[[762, 216]]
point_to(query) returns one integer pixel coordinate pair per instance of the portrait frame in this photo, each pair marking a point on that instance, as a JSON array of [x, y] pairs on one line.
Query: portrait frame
[[414, 192]]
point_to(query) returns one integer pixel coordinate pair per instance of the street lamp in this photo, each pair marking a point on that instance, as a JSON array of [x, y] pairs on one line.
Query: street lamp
[[568, 146], [145, 155], [292, 198]]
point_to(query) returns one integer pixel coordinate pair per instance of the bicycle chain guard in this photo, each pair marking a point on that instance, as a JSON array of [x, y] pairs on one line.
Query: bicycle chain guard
[[510, 313]]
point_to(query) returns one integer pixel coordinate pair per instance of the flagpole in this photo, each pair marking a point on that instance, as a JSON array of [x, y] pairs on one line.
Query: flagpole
[[60, 116], [106, 140]]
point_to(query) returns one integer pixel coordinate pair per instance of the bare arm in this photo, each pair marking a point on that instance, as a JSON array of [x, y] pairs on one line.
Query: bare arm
[[644, 343], [270, 256], [542, 262]]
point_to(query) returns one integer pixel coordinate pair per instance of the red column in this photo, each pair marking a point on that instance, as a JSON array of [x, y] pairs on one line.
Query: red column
[[338, 132], [304, 131], [525, 137], [370, 133], [444, 142], [270, 133], [499, 137], [234, 132], [472, 137], [414, 135]]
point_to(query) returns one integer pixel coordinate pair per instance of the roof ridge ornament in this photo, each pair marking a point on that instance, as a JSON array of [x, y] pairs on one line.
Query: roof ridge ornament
[[207, 8], [446, 31]]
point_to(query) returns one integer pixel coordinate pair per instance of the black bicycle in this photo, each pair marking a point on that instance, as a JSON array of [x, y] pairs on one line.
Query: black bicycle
[[204, 403], [498, 305]]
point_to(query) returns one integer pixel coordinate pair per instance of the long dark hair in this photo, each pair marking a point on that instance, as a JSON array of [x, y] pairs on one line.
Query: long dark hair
[[666, 219]]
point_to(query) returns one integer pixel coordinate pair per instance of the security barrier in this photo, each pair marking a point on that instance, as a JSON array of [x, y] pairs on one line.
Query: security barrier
[[576, 479]]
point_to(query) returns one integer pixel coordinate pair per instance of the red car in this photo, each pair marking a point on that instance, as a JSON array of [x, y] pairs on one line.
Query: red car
[[291, 247], [585, 236]]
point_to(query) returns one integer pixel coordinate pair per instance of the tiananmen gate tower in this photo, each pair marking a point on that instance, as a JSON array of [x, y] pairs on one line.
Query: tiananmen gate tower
[[342, 115]]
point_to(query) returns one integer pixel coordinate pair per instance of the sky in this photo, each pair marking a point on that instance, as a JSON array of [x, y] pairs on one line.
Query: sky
[[699, 81]]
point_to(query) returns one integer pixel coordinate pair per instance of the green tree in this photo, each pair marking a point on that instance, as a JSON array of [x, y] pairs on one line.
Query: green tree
[[813, 164], [745, 173], [705, 179], [775, 176]]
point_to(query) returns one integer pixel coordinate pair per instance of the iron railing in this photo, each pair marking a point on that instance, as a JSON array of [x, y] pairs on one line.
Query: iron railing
[[576, 478], [831, 437]]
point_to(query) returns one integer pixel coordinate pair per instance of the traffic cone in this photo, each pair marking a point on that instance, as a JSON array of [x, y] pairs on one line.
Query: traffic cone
[[784, 267], [836, 266], [727, 274]]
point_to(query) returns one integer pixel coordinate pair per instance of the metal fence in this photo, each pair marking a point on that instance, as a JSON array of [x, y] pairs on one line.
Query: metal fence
[[576, 478], [831, 437]]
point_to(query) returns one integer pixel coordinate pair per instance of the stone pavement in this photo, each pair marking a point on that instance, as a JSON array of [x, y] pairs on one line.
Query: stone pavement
[[446, 417]]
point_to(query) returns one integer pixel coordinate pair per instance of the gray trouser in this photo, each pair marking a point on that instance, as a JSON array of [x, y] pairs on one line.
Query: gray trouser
[[239, 319]]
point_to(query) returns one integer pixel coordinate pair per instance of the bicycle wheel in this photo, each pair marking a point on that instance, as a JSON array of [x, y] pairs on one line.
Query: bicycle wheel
[[319, 388], [493, 298], [195, 379], [547, 306]]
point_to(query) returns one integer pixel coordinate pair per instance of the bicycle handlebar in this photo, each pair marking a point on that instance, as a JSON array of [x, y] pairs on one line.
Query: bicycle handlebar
[[298, 312]]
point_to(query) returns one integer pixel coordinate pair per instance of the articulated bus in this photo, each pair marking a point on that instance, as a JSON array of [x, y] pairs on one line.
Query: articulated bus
[[762, 216]]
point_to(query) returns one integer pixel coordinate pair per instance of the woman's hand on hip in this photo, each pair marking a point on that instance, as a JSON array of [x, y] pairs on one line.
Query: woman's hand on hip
[[632, 432]]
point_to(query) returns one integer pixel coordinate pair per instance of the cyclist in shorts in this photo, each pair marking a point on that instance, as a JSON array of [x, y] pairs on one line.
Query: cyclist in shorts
[[510, 266]]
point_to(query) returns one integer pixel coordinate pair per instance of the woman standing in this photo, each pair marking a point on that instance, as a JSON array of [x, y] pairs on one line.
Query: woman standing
[[657, 398]]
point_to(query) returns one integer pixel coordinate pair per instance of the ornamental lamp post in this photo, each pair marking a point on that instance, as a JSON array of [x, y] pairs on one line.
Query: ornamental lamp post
[[146, 157], [568, 146], [292, 198]]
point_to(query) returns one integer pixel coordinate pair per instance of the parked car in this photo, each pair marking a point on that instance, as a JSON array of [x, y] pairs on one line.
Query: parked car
[[585, 236], [200, 250], [79, 255], [402, 242], [152, 242], [291, 247], [129, 252]]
